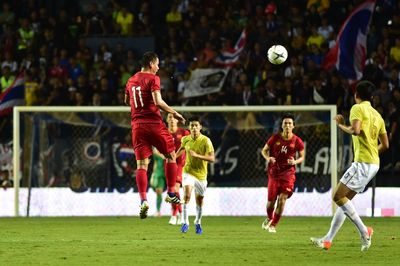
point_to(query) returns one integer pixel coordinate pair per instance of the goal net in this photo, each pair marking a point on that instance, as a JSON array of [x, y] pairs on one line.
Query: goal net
[[79, 160]]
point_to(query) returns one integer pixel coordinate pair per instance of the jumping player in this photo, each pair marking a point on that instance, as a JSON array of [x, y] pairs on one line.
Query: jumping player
[[142, 93]]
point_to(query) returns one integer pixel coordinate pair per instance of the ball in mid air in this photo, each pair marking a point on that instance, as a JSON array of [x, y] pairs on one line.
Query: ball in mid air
[[277, 54]]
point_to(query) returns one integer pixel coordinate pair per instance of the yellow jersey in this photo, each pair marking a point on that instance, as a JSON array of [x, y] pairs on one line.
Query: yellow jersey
[[195, 166], [31, 93], [372, 125]]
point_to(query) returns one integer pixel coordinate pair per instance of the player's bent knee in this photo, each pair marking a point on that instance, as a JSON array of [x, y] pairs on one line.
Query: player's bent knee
[[338, 196], [340, 201]]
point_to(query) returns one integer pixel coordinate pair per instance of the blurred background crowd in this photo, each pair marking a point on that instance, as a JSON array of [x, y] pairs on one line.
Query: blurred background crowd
[[48, 39]]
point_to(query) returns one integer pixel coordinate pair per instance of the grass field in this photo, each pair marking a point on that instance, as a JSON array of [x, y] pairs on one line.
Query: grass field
[[225, 241]]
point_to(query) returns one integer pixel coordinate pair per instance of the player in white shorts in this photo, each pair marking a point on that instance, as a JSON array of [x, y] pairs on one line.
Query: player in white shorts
[[366, 128], [199, 152], [200, 186], [358, 176]]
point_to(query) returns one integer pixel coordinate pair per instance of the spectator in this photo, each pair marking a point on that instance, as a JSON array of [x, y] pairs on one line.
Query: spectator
[[319, 91], [394, 79], [303, 91], [285, 96], [174, 16], [325, 30], [6, 79], [315, 38], [79, 99], [395, 52], [124, 21], [321, 6], [335, 93], [10, 62], [7, 17], [25, 37], [293, 68], [32, 90], [94, 21]]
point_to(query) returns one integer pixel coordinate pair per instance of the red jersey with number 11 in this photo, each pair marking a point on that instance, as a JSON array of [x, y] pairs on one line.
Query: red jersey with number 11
[[139, 88]]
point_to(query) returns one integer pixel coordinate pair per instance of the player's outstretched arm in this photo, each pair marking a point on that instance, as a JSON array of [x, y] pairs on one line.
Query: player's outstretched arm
[[160, 103], [353, 129]]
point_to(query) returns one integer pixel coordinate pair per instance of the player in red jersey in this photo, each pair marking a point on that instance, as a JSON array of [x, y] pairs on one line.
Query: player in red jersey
[[177, 133], [142, 93], [280, 153]]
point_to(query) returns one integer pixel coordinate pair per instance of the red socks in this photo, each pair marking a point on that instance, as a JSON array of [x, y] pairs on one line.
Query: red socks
[[276, 219], [273, 216], [176, 207], [141, 182], [170, 175], [270, 213]]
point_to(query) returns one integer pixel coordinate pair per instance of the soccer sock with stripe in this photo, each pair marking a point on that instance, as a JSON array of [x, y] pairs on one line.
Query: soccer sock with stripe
[[175, 207], [178, 206], [185, 214], [337, 222], [350, 212], [141, 182], [159, 201], [199, 214], [170, 176]]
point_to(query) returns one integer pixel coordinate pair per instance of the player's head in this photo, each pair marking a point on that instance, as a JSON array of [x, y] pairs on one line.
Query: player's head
[[288, 122], [171, 120], [364, 90], [194, 125], [150, 62]]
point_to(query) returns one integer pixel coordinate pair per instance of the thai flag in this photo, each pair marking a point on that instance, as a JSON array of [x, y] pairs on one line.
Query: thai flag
[[12, 96], [228, 58], [349, 53]]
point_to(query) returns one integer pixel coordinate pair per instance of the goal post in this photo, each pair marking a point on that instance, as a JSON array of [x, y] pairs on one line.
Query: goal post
[[315, 120]]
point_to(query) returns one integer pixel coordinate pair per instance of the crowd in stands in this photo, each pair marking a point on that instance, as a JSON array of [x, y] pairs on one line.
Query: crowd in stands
[[48, 41]]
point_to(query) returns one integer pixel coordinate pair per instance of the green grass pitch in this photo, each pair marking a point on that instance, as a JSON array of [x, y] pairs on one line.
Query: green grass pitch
[[225, 241]]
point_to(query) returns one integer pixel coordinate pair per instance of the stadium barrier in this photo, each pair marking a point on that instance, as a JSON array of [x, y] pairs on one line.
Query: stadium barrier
[[218, 202]]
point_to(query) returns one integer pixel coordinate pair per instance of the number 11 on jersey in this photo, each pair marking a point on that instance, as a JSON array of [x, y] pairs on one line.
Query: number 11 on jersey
[[134, 89]]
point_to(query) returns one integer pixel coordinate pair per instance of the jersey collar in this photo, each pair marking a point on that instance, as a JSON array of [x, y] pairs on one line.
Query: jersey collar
[[366, 103]]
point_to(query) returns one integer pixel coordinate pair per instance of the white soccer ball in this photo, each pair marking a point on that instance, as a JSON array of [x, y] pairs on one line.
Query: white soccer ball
[[277, 54]]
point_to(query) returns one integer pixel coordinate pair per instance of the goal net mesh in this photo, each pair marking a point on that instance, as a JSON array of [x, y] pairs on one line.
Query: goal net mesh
[[91, 152]]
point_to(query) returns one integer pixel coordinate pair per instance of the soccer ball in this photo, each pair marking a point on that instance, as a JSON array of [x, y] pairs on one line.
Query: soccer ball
[[277, 54]]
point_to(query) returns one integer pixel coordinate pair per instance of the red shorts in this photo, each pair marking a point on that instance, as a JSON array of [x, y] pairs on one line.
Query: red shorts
[[144, 136], [277, 186]]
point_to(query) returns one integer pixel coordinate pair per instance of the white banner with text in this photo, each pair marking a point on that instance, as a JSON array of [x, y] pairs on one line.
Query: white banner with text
[[217, 202]]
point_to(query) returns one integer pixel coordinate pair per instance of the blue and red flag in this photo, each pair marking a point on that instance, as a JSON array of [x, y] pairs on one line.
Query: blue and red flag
[[12, 96], [228, 58], [349, 53]]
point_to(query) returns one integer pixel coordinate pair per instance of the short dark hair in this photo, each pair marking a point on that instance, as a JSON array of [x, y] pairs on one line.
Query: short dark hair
[[365, 89], [194, 118], [147, 58], [287, 115]]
